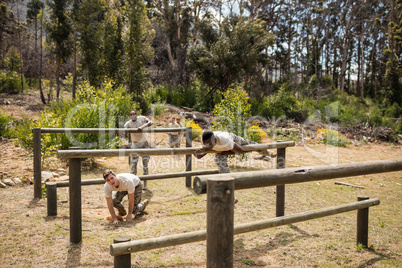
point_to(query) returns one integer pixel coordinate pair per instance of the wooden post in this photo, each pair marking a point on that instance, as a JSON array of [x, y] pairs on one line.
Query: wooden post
[[280, 189], [75, 200], [122, 261], [37, 162], [362, 223], [51, 189], [189, 143], [220, 219]]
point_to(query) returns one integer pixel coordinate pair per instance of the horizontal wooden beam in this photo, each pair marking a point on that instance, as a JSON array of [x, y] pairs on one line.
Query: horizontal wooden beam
[[109, 130], [161, 151], [184, 238], [273, 177], [144, 177]]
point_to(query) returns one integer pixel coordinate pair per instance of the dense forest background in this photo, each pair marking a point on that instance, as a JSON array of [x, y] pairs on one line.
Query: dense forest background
[[291, 57]]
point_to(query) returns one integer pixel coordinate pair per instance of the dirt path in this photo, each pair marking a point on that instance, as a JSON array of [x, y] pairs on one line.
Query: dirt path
[[31, 239]]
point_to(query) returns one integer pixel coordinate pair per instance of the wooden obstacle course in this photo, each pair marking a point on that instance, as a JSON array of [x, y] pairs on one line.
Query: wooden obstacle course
[[51, 187], [363, 204], [78, 154], [220, 200], [37, 147]]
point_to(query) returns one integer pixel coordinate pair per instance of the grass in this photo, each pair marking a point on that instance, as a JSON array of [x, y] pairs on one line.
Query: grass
[[31, 239]]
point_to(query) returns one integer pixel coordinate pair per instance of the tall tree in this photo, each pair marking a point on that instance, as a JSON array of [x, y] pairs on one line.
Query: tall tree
[[138, 49], [58, 36], [113, 46], [91, 29], [34, 7], [394, 52], [233, 56]]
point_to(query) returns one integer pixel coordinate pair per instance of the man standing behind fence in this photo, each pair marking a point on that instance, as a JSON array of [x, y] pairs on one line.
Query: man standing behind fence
[[174, 137], [138, 141]]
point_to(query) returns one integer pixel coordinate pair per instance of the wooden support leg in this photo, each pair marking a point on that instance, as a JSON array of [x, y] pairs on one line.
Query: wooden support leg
[[122, 261], [75, 200], [189, 143], [362, 224], [51, 189], [280, 189], [220, 219]]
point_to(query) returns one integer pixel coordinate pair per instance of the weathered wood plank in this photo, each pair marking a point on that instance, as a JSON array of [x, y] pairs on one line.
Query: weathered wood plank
[[160, 151], [265, 178]]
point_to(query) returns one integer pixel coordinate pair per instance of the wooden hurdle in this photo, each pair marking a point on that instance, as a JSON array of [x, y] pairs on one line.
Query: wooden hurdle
[[37, 147], [51, 186], [220, 207], [264, 178], [218, 257], [75, 156]]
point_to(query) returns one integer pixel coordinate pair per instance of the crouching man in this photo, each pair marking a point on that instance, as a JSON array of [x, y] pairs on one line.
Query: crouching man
[[118, 186]]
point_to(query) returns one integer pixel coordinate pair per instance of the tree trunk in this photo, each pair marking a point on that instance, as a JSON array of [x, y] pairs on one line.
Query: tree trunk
[[42, 96], [74, 62], [58, 78], [344, 62]]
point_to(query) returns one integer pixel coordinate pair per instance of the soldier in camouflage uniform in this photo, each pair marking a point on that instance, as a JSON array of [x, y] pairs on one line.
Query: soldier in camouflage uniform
[[139, 141], [225, 143], [117, 187]]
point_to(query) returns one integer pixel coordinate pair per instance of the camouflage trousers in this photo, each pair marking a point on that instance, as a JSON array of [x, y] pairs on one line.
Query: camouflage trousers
[[174, 141], [221, 160], [134, 159], [118, 198]]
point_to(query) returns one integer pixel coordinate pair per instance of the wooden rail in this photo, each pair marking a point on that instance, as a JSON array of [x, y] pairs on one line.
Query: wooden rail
[[265, 178], [178, 239], [161, 151], [110, 130]]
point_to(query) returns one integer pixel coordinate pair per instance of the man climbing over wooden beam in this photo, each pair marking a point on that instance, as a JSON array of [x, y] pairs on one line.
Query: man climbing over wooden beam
[[225, 143]]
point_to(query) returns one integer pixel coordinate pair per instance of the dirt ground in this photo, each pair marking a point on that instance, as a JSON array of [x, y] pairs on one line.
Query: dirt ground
[[29, 238]]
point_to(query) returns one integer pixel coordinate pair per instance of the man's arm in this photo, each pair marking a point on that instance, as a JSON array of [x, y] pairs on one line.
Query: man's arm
[[147, 124], [237, 149], [129, 217], [198, 154], [109, 202]]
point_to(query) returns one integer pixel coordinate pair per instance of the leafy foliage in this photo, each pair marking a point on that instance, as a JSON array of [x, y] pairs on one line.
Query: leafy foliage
[[103, 108], [5, 124], [10, 82], [232, 112], [332, 137], [280, 103]]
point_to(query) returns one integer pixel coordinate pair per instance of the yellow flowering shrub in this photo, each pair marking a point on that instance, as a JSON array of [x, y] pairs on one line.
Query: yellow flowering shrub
[[255, 133], [197, 130]]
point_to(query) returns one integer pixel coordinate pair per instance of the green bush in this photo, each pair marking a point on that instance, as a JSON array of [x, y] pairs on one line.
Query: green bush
[[10, 82], [279, 104], [5, 125], [393, 111], [376, 116], [232, 112], [106, 107], [23, 132]]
